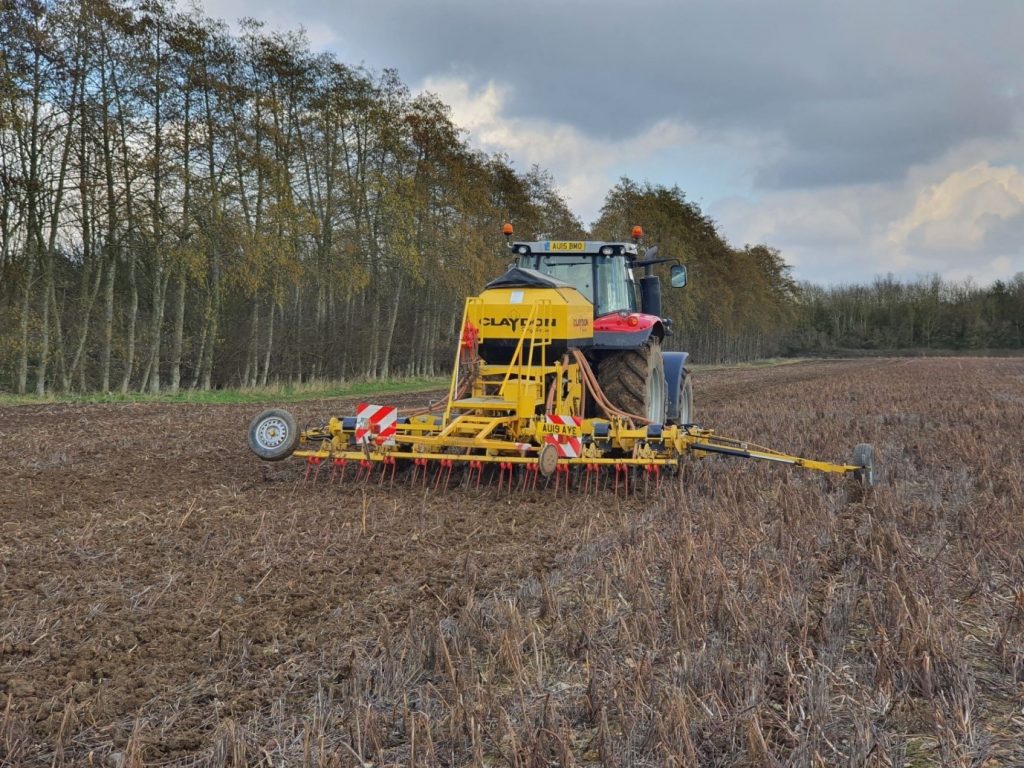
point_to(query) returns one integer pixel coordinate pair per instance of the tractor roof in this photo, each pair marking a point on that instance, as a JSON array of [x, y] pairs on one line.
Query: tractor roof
[[581, 247]]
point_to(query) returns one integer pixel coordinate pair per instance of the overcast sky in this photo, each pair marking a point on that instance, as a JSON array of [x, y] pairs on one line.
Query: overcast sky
[[858, 137]]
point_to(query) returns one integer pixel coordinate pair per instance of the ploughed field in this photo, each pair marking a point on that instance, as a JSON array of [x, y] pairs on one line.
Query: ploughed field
[[167, 599]]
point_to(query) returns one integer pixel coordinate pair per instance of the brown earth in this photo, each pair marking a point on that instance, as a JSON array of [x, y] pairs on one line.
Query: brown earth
[[167, 599]]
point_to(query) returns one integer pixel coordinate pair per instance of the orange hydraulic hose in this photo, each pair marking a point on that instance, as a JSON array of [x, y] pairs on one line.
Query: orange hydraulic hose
[[550, 403], [599, 396]]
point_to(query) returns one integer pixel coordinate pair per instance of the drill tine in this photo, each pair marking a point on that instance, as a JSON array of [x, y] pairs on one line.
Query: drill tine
[[560, 470], [445, 468]]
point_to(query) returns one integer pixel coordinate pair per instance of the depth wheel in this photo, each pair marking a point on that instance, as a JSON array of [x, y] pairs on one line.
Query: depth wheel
[[273, 435], [634, 381], [864, 458], [547, 460]]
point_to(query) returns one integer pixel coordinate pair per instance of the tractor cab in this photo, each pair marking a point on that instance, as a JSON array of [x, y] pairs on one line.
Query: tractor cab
[[601, 271], [605, 273]]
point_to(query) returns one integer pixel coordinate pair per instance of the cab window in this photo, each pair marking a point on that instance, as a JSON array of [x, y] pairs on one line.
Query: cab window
[[615, 290], [605, 281], [577, 272]]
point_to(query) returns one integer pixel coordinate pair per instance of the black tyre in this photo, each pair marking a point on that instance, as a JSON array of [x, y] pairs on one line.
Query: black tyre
[[864, 457], [685, 400], [634, 381], [273, 435]]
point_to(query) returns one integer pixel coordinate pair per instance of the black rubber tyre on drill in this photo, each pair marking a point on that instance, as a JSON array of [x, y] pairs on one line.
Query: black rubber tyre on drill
[[273, 435]]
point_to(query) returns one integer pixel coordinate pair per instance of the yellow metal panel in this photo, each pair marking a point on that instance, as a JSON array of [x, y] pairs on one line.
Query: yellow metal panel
[[505, 313]]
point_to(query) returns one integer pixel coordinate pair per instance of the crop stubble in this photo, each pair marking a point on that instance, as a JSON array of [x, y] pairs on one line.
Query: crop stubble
[[167, 599]]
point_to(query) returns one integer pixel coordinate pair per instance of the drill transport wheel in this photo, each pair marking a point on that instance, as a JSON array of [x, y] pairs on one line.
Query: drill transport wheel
[[864, 457], [273, 435]]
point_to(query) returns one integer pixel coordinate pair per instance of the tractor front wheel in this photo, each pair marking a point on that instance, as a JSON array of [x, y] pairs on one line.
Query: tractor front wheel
[[634, 381]]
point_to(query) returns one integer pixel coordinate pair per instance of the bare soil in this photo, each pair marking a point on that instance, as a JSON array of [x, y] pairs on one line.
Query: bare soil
[[168, 599]]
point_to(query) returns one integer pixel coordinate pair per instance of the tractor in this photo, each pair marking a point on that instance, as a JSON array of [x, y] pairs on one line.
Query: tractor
[[625, 348]]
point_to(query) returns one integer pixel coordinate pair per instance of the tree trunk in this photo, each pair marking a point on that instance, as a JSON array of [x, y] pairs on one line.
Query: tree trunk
[[385, 362], [110, 247], [179, 329], [156, 329], [58, 341], [26, 309], [133, 315], [108, 323], [197, 369], [78, 361], [374, 356], [270, 346], [249, 376], [212, 325], [44, 343]]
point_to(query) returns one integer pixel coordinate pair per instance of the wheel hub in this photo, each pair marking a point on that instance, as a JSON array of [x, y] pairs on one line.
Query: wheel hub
[[271, 433]]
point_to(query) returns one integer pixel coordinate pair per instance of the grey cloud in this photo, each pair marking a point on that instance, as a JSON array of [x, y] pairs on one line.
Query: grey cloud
[[834, 94], [870, 139], [854, 92], [1005, 236]]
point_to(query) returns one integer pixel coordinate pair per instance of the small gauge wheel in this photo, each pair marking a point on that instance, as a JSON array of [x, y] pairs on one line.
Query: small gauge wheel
[[547, 461], [864, 458], [273, 435]]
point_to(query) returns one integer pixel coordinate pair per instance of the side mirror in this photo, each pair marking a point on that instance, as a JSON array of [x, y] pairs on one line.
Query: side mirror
[[678, 276]]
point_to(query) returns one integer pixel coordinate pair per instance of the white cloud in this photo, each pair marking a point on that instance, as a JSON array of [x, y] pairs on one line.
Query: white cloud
[[954, 216], [827, 235], [959, 222], [584, 166], [960, 211]]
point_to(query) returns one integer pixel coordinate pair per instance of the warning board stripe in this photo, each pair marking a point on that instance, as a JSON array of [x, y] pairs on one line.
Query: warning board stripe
[[568, 446], [376, 423]]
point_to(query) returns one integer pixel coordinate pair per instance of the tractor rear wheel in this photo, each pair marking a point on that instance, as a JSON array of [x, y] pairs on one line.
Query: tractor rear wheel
[[685, 400], [634, 381]]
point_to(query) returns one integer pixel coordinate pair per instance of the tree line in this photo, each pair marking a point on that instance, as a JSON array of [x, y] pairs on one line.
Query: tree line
[[740, 302], [183, 206], [929, 313]]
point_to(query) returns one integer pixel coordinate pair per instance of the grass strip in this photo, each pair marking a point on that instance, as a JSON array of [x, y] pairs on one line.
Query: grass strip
[[278, 393]]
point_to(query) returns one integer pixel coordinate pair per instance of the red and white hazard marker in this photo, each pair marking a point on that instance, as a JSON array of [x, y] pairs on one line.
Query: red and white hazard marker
[[376, 424], [565, 433]]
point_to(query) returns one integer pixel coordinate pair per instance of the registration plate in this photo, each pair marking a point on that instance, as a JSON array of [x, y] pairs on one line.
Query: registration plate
[[566, 245], [568, 430]]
